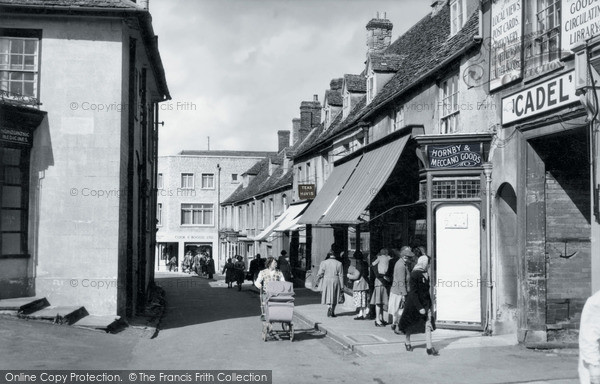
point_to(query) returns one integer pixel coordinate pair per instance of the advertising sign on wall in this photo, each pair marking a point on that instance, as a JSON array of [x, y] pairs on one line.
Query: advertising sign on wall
[[580, 21], [306, 191], [543, 97], [505, 44], [16, 136], [454, 155]]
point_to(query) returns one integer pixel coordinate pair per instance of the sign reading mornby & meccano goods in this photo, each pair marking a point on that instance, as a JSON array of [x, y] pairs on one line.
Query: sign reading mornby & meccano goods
[[454, 155], [505, 45], [580, 21], [539, 98]]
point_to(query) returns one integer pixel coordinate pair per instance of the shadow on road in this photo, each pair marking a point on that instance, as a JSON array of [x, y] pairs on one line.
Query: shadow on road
[[192, 300]]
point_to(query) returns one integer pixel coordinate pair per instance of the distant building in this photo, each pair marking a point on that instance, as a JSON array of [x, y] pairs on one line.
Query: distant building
[[78, 143], [191, 185]]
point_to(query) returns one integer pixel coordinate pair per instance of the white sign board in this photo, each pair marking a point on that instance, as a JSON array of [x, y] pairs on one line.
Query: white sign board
[[539, 98], [580, 21], [505, 44]]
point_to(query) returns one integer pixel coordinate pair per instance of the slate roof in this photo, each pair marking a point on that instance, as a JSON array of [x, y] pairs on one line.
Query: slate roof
[[333, 98], [386, 62], [424, 49], [356, 83], [123, 4]]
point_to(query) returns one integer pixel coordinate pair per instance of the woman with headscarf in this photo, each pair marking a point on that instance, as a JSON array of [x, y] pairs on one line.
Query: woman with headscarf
[[380, 296], [332, 276], [417, 316]]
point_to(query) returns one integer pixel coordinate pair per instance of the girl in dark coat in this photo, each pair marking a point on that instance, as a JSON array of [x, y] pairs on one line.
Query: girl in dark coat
[[417, 316]]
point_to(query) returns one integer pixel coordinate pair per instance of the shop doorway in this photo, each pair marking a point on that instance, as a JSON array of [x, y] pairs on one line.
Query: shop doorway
[[506, 273], [165, 252], [458, 263]]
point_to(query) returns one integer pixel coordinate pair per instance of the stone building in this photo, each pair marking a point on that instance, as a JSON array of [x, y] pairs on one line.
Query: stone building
[[80, 84]]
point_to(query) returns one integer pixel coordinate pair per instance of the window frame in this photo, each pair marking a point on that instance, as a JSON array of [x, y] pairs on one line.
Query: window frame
[[450, 104], [538, 61], [191, 176], [202, 178], [458, 17], [12, 35], [194, 208], [159, 181], [159, 208]]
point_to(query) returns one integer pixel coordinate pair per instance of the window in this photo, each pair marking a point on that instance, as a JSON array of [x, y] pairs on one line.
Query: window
[[208, 181], [370, 87], [234, 178], [308, 172], [300, 180], [458, 16], [399, 118], [456, 189], [284, 202], [197, 214], [187, 181], [14, 197], [159, 181], [450, 107], [542, 50], [346, 105], [159, 214], [19, 67]]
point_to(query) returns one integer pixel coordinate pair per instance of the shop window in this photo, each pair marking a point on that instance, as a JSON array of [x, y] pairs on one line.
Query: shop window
[[542, 43], [449, 96], [14, 171], [456, 189], [458, 17], [208, 181], [187, 181], [19, 67], [197, 214]]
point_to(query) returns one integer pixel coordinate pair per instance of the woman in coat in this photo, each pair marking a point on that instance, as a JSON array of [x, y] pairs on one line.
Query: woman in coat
[[417, 316], [360, 286], [228, 272], [239, 267], [380, 296], [331, 279]]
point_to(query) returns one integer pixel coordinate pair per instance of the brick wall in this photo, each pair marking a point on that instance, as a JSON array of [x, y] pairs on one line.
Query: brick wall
[[567, 222]]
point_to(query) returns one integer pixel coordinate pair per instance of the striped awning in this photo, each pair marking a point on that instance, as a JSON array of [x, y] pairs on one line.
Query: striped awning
[[372, 172], [330, 190], [290, 223]]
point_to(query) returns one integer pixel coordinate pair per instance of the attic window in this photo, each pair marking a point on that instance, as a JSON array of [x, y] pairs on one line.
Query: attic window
[[458, 17]]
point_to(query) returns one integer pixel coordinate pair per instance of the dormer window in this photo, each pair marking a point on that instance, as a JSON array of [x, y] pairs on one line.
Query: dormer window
[[370, 87], [347, 102], [458, 16]]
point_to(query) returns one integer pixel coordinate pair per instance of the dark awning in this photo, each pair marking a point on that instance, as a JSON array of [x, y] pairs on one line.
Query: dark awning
[[370, 175], [330, 190], [17, 123]]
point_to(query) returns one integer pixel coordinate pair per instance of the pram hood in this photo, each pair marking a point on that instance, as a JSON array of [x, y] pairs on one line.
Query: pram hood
[[279, 289]]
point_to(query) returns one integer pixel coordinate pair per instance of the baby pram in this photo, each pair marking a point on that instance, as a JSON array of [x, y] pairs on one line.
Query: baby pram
[[277, 306]]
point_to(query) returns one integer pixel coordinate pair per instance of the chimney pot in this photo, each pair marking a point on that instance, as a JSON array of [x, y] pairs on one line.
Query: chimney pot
[[316, 98]]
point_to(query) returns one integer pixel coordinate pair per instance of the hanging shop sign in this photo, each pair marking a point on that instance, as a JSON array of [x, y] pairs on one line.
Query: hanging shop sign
[[306, 191], [505, 44], [580, 22], [540, 98], [16, 136], [454, 155]]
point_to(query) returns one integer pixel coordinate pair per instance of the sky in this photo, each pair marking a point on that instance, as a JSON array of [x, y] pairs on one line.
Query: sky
[[237, 70]]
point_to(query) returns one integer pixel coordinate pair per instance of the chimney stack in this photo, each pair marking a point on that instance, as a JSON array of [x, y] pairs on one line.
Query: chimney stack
[[379, 34], [310, 116], [283, 138], [295, 130]]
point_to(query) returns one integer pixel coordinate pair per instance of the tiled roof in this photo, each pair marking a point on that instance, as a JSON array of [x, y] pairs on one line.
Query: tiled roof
[[123, 4], [310, 140], [356, 83], [336, 84], [226, 153], [333, 98], [386, 62]]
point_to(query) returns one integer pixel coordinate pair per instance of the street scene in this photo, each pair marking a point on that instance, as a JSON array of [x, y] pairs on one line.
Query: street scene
[[286, 191]]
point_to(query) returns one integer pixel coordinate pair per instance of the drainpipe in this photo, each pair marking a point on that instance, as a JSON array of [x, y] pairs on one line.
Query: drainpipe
[[487, 171]]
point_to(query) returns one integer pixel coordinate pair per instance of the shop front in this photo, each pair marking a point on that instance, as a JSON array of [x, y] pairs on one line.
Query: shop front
[[453, 184], [177, 245]]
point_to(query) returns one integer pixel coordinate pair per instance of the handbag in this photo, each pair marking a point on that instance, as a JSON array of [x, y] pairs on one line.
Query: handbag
[[342, 298]]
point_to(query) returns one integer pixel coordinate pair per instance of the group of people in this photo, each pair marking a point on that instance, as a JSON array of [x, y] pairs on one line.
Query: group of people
[[234, 269], [396, 282], [200, 263]]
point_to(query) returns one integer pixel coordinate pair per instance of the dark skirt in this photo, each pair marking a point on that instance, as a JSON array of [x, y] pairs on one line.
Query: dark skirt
[[412, 321]]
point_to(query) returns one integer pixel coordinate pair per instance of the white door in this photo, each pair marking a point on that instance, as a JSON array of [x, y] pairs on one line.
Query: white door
[[458, 265]]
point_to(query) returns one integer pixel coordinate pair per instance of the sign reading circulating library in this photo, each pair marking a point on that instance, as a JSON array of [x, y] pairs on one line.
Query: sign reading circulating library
[[454, 155], [505, 44], [306, 191], [16, 136], [580, 21], [540, 98]]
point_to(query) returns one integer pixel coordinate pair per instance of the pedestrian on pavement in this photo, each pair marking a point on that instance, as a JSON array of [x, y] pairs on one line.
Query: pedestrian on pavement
[[196, 263], [331, 279], [173, 264], [589, 341], [284, 266], [228, 272], [271, 273], [210, 267], [239, 268], [399, 289], [360, 286], [186, 265], [380, 296], [255, 267], [417, 316]]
